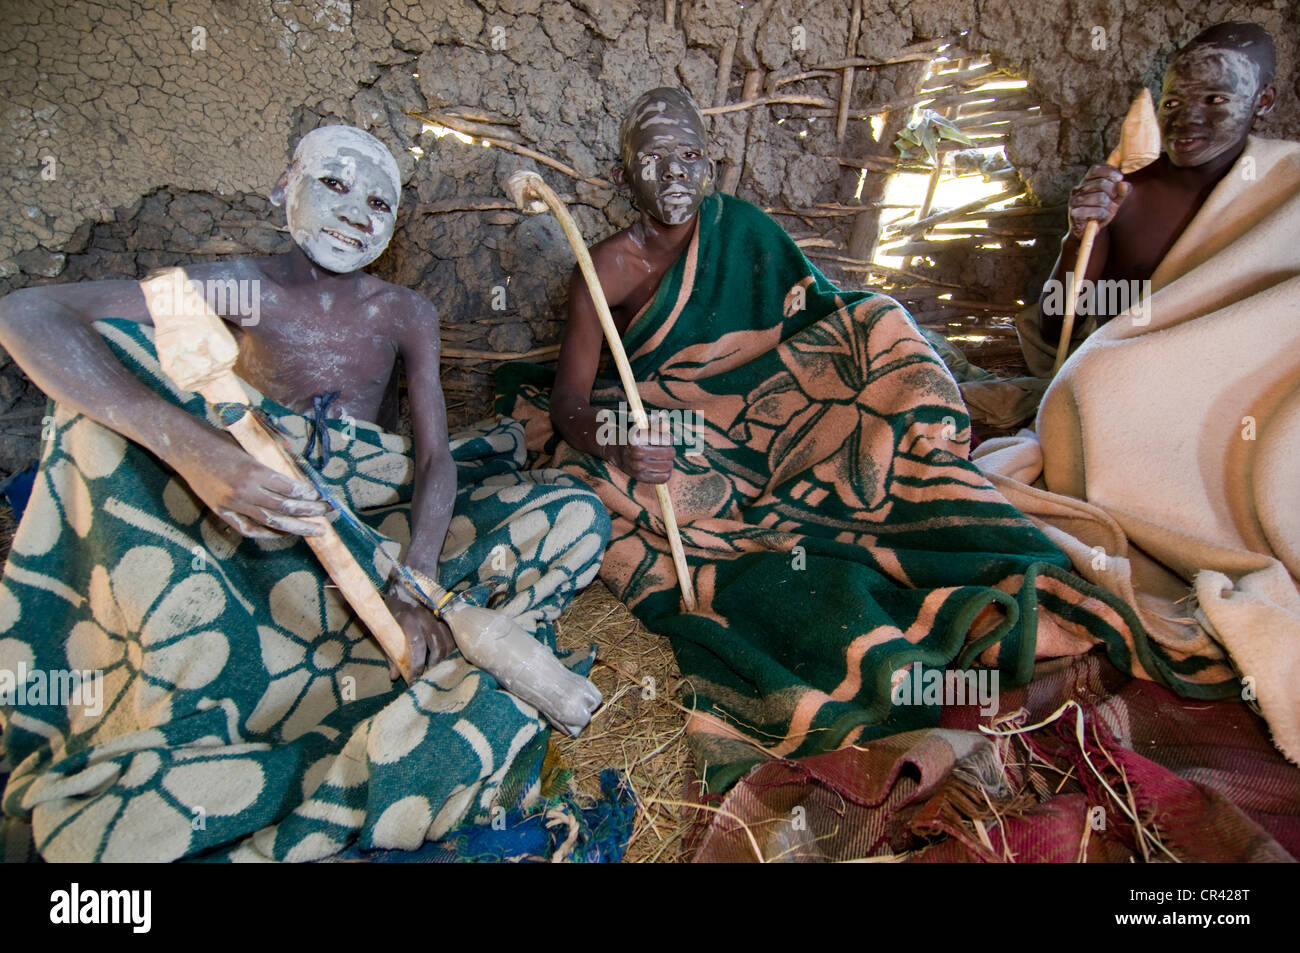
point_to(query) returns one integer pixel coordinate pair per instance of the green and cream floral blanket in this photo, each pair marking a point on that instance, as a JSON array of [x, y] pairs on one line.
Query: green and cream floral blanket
[[836, 532], [170, 690]]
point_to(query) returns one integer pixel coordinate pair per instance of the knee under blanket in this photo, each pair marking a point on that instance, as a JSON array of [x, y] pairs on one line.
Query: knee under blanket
[[233, 706], [1169, 446], [835, 530]]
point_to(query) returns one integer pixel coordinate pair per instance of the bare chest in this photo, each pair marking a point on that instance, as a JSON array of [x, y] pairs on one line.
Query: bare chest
[[1153, 223], [294, 359], [634, 287]]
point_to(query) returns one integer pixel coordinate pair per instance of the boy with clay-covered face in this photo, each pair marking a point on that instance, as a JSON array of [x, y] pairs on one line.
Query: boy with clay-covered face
[[664, 163], [1212, 92], [340, 195], [325, 331]]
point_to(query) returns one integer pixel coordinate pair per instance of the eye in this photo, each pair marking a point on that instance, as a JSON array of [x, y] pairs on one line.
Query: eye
[[690, 156], [379, 205], [332, 183], [1217, 100], [650, 157], [1170, 104]]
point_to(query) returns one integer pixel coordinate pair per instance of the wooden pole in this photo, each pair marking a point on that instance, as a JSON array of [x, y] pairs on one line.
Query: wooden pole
[[722, 82], [526, 187], [846, 84], [731, 177], [1139, 145]]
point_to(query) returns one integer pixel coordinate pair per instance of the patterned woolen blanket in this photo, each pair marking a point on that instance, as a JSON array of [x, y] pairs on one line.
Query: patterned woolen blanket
[[835, 529], [1167, 455], [232, 706]]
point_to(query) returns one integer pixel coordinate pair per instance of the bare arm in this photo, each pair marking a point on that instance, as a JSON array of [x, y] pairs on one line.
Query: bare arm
[[48, 332], [435, 472], [571, 412], [1097, 198], [580, 344], [434, 494]]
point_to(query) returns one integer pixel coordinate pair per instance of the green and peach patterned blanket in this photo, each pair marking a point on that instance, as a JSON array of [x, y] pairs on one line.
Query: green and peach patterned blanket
[[835, 529], [175, 691]]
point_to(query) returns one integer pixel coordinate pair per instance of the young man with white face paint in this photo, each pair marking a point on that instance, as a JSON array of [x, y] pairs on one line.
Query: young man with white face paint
[[663, 147], [1213, 91], [664, 162], [325, 327]]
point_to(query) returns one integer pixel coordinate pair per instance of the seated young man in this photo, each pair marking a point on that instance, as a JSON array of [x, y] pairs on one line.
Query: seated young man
[[1168, 440], [1212, 93], [1215, 88], [817, 459], [230, 702]]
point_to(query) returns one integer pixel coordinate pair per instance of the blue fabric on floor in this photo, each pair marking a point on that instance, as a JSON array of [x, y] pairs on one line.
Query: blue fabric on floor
[[603, 830], [17, 488]]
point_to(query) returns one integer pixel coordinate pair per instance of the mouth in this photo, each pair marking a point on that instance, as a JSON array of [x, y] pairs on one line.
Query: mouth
[[676, 195], [343, 239], [1186, 143]]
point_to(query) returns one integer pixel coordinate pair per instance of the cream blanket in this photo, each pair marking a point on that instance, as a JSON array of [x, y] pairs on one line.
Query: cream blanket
[[1167, 455]]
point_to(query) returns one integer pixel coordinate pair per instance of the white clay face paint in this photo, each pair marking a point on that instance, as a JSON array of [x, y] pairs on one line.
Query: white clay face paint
[[664, 149], [341, 199], [1208, 104], [672, 175]]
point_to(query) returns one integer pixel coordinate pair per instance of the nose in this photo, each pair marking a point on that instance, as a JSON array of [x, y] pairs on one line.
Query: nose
[[352, 212], [674, 170], [1189, 114]]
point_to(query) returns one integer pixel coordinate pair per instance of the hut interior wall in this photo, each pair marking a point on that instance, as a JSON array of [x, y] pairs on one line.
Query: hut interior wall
[[144, 134]]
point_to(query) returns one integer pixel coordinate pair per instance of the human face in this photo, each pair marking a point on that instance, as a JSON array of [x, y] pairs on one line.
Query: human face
[[1208, 104], [340, 206], [668, 172]]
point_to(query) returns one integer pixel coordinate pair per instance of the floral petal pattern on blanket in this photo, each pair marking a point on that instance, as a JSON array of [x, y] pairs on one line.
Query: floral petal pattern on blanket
[[835, 529], [234, 708]]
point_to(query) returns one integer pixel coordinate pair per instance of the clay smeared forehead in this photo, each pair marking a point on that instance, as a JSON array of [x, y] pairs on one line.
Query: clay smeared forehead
[[1249, 40], [662, 111], [1214, 66], [347, 145]]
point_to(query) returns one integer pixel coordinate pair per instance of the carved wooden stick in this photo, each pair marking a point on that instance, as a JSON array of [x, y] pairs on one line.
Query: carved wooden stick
[[527, 188], [1139, 145], [198, 352]]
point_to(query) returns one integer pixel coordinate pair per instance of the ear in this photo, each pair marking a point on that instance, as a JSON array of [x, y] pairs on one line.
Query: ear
[[1267, 97], [617, 174], [711, 176], [281, 185]]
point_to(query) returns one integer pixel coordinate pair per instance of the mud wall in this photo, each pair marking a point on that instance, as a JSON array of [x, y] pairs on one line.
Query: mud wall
[[147, 133]]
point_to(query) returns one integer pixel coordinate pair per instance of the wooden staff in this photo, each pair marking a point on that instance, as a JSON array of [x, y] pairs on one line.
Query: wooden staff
[[526, 189], [197, 351], [1139, 146]]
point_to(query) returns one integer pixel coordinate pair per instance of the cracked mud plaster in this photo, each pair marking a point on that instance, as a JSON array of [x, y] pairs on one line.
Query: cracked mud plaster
[[164, 148]]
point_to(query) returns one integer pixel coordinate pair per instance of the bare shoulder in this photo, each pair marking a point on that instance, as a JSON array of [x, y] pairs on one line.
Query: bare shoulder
[[1144, 191], [239, 269], [610, 258], [405, 311], [605, 253], [1146, 179]]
